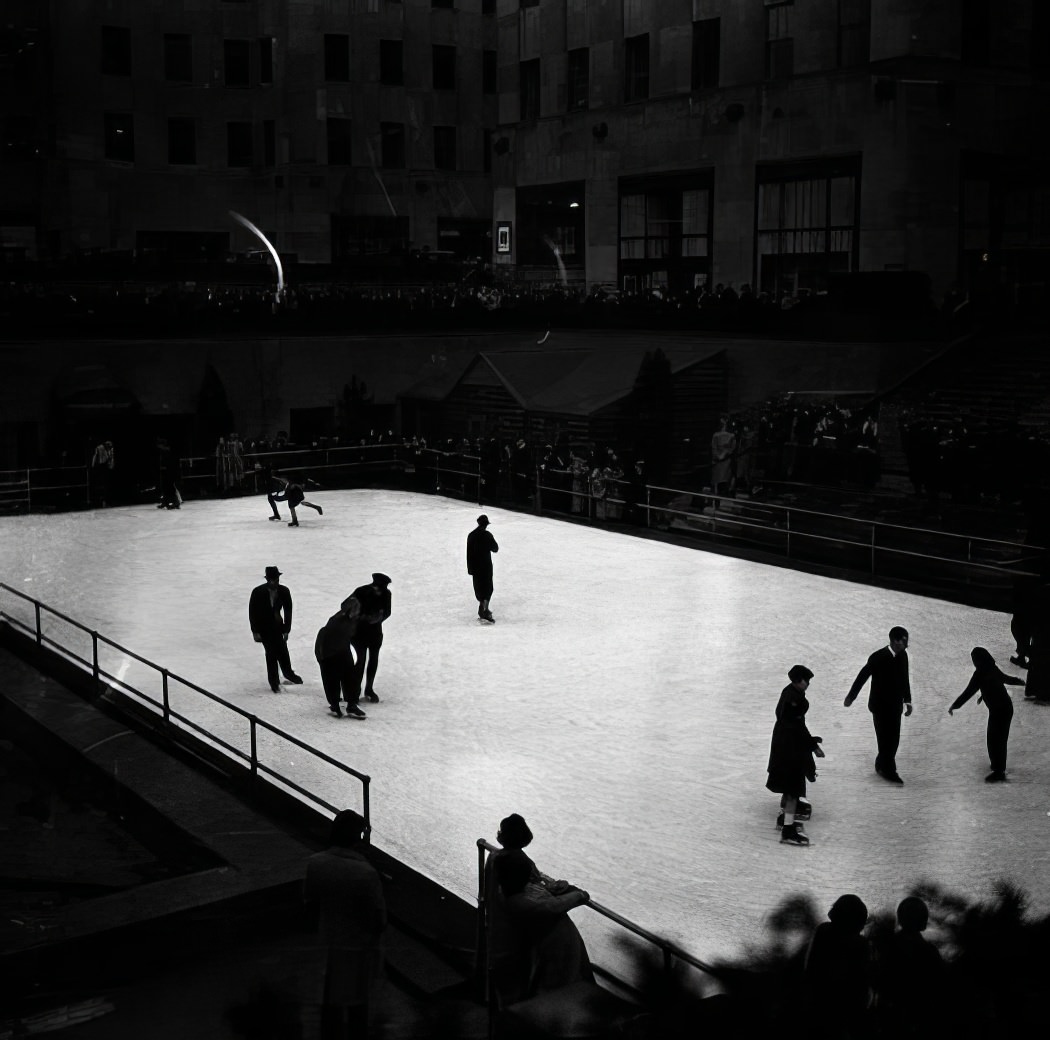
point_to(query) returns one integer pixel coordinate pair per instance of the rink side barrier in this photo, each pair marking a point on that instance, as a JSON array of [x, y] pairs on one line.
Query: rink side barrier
[[670, 953], [173, 723], [36, 490], [882, 550]]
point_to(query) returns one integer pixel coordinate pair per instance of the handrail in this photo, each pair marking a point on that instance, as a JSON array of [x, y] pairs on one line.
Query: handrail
[[168, 713], [669, 950]]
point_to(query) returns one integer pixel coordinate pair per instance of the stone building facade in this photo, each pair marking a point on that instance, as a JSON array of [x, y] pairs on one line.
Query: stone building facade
[[670, 144]]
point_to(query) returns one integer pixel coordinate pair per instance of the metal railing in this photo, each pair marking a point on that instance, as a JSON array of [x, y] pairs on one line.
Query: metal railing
[[870, 546], [26, 490], [670, 953], [173, 721]]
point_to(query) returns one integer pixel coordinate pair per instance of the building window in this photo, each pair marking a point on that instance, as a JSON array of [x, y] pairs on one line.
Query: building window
[[444, 67], [269, 142], [977, 31], [489, 81], [806, 220], [265, 59], [116, 51], [337, 58], [486, 151], [119, 131], [665, 231], [236, 63], [182, 142], [636, 68], [338, 142], [854, 32], [488, 6], [444, 147], [238, 144], [391, 63], [707, 37], [178, 58], [393, 145], [780, 47], [365, 236], [529, 97], [447, 5], [578, 78], [550, 224]]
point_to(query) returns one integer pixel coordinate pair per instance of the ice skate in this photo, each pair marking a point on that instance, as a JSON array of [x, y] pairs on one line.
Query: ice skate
[[804, 810], [996, 776], [793, 835], [371, 695], [354, 712], [294, 523], [334, 710]]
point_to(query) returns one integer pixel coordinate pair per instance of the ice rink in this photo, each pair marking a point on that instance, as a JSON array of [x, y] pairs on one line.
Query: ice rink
[[623, 702]]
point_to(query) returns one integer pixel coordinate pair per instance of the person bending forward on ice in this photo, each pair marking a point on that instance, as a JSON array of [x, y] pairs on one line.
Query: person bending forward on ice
[[294, 495], [480, 547], [791, 754], [992, 683]]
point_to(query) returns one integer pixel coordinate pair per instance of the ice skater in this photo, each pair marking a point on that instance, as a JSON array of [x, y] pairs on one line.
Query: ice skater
[[293, 494], [270, 617], [890, 695], [992, 683], [334, 656], [480, 547], [791, 754], [375, 603]]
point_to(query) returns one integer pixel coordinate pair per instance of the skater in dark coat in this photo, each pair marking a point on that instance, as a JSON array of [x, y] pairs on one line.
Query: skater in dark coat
[[270, 617], [791, 754], [293, 494], [890, 695], [992, 683], [375, 609], [480, 547], [332, 650]]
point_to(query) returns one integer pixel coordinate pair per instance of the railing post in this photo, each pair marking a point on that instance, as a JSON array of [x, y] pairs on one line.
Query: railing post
[[366, 805], [164, 694], [873, 530], [788, 527], [254, 754], [94, 656], [969, 550], [39, 631], [648, 506]]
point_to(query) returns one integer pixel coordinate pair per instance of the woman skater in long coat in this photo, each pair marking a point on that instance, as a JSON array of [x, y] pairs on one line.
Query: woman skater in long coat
[[992, 683], [791, 754]]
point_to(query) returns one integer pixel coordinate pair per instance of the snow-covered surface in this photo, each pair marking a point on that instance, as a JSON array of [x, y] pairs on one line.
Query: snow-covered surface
[[623, 702]]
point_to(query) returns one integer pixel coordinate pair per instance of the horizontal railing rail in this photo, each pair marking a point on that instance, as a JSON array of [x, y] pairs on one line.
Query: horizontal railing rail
[[670, 952], [785, 527], [173, 719]]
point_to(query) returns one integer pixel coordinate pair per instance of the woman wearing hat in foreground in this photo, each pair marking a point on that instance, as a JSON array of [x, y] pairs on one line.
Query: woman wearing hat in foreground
[[533, 944], [791, 756]]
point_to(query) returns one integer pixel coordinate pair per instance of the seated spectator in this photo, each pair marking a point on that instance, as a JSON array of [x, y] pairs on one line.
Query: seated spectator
[[911, 976], [558, 954], [837, 970]]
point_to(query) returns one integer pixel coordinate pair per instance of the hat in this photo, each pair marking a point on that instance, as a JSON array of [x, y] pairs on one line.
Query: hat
[[514, 832], [380, 579], [272, 572], [483, 520]]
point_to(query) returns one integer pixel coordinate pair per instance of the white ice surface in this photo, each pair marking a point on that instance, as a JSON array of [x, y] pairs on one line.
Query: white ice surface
[[622, 703]]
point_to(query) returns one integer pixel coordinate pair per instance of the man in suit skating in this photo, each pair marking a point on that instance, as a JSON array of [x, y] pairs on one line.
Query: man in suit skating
[[270, 617], [480, 547], [890, 695]]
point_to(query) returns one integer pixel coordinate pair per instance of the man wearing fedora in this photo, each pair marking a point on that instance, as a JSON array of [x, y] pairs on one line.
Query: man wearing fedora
[[480, 547], [375, 609], [270, 617]]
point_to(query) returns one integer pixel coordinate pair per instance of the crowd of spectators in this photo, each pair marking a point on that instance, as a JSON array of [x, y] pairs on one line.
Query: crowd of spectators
[[234, 298], [972, 461]]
